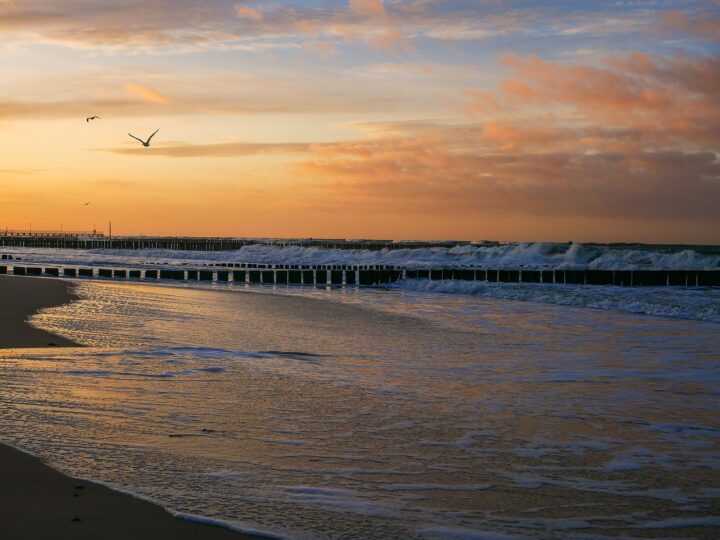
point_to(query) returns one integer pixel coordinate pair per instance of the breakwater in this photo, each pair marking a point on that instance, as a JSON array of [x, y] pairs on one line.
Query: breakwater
[[372, 275]]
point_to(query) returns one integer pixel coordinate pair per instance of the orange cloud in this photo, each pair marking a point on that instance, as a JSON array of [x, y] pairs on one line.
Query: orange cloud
[[667, 98], [508, 137], [307, 27], [427, 176], [247, 12], [347, 33], [147, 94], [393, 39], [703, 25], [632, 140], [236, 149], [371, 9]]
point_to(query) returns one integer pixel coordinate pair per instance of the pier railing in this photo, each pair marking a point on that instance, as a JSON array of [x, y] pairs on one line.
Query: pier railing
[[367, 275]]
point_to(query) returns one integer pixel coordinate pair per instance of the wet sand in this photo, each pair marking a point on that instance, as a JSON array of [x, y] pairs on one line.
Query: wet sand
[[38, 502], [20, 298]]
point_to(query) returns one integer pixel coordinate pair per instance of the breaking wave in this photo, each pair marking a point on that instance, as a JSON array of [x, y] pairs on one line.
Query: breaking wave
[[512, 255], [702, 304]]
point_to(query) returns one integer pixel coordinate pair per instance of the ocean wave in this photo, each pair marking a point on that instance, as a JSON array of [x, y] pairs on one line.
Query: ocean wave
[[512, 255], [702, 304]]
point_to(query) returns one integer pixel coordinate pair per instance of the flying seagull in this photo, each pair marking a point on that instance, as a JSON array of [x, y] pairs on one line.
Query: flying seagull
[[144, 143], [87, 203], [92, 118]]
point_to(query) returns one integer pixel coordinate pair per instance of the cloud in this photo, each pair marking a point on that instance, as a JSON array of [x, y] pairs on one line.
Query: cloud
[[391, 40], [235, 95], [607, 137], [185, 25], [425, 175], [188, 25], [670, 100], [323, 49], [371, 9], [231, 149], [71, 108], [701, 25], [147, 94], [632, 139], [247, 12], [509, 137], [19, 172]]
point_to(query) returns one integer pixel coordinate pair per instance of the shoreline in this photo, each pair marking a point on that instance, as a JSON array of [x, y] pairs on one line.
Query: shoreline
[[22, 297], [40, 502]]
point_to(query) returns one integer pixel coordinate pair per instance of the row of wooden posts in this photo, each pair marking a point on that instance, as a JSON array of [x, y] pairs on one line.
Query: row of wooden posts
[[378, 275], [59, 240]]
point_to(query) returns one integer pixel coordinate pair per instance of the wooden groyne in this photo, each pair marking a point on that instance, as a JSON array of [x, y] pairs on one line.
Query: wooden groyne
[[371, 275]]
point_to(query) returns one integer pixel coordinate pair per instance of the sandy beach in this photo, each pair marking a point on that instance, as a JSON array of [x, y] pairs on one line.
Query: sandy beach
[[20, 298], [39, 502]]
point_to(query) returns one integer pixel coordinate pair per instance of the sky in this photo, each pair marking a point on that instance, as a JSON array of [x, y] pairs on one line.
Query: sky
[[416, 119]]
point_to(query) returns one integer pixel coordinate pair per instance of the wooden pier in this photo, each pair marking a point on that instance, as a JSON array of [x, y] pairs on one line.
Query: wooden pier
[[41, 234], [368, 275], [96, 240]]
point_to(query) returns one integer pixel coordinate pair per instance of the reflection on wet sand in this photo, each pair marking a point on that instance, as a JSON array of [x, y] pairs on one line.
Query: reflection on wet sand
[[379, 414]]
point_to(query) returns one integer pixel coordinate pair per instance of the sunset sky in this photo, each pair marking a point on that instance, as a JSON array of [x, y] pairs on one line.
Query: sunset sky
[[417, 119]]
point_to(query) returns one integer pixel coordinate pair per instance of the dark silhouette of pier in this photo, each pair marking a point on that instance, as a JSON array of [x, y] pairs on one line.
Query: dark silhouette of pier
[[367, 275], [95, 240], [10, 237]]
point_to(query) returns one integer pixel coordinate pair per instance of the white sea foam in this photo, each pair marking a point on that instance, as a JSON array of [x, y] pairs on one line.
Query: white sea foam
[[236, 526], [520, 255], [695, 303], [344, 500]]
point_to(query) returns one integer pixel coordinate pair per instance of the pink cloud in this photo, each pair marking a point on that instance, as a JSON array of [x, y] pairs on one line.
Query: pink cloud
[[703, 25], [371, 9], [247, 12], [393, 39], [662, 96]]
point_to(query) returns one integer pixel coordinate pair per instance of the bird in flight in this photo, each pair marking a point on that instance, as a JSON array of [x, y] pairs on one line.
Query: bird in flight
[[87, 204], [144, 143], [92, 118]]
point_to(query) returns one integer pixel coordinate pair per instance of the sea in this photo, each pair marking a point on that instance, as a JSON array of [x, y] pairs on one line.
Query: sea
[[422, 410]]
